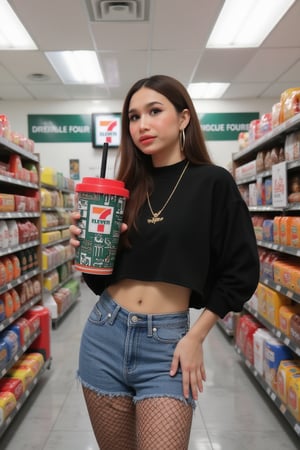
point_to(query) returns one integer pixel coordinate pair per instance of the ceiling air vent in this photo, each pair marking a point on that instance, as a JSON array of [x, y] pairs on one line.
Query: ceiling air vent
[[118, 11]]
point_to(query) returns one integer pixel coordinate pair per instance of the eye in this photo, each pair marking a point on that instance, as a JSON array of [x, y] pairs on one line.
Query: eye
[[133, 118], [155, 111]]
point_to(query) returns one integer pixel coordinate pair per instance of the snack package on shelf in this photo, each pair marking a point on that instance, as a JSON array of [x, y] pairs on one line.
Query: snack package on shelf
[[243, 140], [289, 103], [276, 114], [286, 369], [292, 146], [275, 352], [254, 130], [265, 124]]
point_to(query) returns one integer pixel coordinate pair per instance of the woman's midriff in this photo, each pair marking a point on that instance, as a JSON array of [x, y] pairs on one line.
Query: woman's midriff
[[150, 297]]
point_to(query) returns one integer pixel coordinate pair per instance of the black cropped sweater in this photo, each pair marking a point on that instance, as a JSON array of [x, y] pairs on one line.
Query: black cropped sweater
[[205, 242]]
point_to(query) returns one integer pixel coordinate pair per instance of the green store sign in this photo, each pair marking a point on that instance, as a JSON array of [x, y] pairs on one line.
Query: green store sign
[[78, 127], [60, 127], [225, 126]]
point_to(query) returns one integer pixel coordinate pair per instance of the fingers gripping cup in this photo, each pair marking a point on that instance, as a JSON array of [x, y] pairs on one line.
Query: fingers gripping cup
[[101, 203]]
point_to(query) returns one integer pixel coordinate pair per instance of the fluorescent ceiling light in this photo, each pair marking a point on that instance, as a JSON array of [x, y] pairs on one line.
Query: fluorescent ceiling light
[[246, 23], [76, 67], [13, 35], [207, 90]]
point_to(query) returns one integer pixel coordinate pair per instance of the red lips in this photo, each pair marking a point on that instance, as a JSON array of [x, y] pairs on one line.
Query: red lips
[[146, 139]]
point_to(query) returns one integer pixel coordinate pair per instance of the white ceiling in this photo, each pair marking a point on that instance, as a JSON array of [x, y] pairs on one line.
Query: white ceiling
[[172, 41]]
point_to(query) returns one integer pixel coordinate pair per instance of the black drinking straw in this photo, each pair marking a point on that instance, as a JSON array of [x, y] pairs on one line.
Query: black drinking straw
[[104, 160]]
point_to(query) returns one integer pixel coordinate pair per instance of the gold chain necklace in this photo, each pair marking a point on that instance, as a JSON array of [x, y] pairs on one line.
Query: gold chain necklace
[[155, 215]]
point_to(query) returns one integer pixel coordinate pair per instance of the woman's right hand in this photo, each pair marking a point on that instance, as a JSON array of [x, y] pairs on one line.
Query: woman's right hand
[[74, 229]]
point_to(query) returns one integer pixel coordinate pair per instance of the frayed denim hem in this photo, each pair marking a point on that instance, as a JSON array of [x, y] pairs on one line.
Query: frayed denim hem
[[135, 399], [100, 391]]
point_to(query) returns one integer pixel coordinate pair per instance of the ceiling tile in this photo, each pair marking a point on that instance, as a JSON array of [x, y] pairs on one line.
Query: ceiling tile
[[245, 90], [121, 36], [87, 92], [21, 64], [221, 65], [55, 24], [13, 92], [179, 64], [286, 33], [48, 92], [5, 76], [183, 25], [276, 89], [268, 65], [292, 75], [124, 67], [171, 41]]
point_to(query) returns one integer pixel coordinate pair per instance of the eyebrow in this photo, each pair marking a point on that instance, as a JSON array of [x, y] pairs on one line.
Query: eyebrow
[[148, 105]]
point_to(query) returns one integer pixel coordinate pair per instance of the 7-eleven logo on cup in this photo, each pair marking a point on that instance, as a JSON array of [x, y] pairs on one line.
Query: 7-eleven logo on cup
[[100, 219]]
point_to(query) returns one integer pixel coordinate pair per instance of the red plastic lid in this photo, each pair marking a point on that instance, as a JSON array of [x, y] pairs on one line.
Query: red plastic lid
[[102, 186]]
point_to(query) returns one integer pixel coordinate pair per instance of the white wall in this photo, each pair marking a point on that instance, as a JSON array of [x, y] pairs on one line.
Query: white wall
[[58, 155]]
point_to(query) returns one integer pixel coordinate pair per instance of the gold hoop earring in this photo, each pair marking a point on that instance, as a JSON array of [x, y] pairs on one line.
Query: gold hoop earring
[[182, 139]]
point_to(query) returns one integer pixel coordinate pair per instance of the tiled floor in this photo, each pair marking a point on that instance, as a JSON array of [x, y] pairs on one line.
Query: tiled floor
[[232, 413]]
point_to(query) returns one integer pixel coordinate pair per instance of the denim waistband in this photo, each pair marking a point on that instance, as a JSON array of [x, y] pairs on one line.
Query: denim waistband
[[136, 319]]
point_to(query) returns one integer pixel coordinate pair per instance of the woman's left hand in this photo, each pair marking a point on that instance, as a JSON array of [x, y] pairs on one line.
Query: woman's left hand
[[189, 356]]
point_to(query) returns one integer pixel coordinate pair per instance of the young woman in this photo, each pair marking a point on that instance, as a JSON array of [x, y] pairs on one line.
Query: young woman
[[188, 242]]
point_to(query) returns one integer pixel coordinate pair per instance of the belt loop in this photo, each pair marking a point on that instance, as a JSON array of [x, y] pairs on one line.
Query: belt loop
[[150, 331], [114, 315]]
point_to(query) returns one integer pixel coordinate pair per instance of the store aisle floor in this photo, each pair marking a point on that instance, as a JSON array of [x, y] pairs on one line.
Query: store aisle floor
[[232, 414]]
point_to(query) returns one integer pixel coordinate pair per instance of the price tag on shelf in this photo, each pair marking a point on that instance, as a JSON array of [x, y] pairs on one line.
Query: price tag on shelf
[[278, 334], [279, 185], [282, 408]]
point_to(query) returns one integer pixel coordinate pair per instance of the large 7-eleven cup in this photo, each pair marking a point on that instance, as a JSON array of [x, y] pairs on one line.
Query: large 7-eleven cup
[[101, 203]]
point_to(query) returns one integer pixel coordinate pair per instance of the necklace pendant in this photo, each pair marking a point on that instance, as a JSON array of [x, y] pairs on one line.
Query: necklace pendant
[[154, 219]]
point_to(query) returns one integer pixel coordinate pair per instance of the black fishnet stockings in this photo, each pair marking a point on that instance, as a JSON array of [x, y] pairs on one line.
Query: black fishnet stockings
[[151, 424]]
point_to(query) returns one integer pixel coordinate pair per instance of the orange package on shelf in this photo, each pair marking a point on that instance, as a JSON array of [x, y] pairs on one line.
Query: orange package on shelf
[[295, 232], [286, 369], [285, 316], [274, 301], [276, 229], [293, 396], [285, 230], [295, 328], [289, 103]]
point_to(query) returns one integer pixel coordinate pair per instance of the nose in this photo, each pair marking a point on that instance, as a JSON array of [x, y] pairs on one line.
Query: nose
[[143, 122]]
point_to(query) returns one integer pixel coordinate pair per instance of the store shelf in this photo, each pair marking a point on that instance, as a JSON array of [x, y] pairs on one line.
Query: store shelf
[[281, 289], [271, 394], [61, 202], [29, 250], [280, 248], [277, 135], [20, 352], [11, 180], [19, 280], [29, 304], [7, 146], [274, 139], [24, 398], [17, 248], [274, 330], [56, 321], [59, 241]]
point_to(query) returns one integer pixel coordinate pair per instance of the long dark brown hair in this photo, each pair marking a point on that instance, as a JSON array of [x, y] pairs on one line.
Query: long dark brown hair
[[134, 166]]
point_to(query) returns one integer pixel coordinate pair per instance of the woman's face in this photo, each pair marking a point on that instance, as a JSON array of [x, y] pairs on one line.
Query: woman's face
[[154, 126]]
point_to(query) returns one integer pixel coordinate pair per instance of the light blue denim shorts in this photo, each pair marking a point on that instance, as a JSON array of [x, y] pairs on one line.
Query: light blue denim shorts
[[129, 354]]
